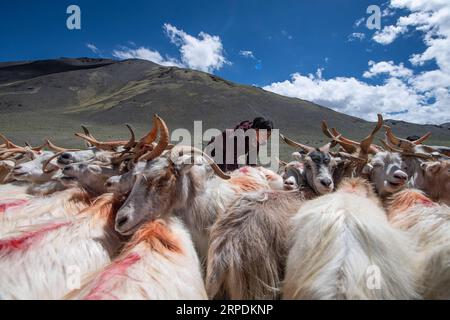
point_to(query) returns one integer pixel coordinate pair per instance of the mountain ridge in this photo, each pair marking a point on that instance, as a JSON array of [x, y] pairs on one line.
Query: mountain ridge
[[51, 98]]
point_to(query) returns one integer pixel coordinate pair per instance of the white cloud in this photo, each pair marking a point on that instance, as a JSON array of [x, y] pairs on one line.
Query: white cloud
[[93, 48], [349, 95], [145, 54], [247, 54], [388, 34], [387, 68], [359, 21], [406, 94], [356, 36], [387, 12], [204, 52]]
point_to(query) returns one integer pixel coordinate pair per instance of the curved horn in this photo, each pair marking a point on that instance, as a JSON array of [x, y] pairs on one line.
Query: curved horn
[[8, 143], [132, 141], [333, 134], [294, 144], [366, 143], [281, 162], [179, 150], [54, 148], [87, 133], [108, 146], [422, 139], [162, 144], [326, 148], [398, 142], [344, 139], [348, 156], [45, 164], [13, 150], [5, 154], [39, 149], [146, 143], [153, 133], [390, 147]]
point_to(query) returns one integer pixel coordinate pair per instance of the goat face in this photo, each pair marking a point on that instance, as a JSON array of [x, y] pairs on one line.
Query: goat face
[[154, 191], [89, 175], [436, 169], [32, 171], [75, 156], [437, 173], [293, 175], [121, 185], [319, 168], [385, 171]]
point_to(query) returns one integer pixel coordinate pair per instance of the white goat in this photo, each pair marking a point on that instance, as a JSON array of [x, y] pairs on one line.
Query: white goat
[[37, 264], [429, 224], [344, 248], [159, 263]]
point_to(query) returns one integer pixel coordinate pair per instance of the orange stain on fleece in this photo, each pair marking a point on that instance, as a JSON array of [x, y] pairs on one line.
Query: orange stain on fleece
[[356, 185], [409, 198], [157, 236], [244, 183], [12, 204]]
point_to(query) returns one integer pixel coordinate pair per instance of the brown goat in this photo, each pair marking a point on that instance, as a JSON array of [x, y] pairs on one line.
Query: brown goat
[[249, 244]]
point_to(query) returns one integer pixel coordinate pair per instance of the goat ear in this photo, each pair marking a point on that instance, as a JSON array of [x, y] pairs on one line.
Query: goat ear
[[338, 160], [52, 167], [367, 169], [95, 169], [8, 164], [184, 164], [433, 167], [31, 154], [297, 156]]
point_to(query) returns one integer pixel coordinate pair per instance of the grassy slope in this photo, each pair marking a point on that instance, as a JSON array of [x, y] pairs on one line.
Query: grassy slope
[[37, 102]]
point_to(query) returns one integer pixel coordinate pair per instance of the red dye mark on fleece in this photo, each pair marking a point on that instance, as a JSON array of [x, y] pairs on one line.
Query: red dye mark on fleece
[[118, 268], [244, 170], [426, 202], [12, 204], [23, 242]]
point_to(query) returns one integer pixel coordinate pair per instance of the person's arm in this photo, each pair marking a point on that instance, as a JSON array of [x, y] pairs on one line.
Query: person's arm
[[248, 161]]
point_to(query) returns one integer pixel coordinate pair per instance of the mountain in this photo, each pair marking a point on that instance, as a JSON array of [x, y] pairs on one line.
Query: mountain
[[51, 98]]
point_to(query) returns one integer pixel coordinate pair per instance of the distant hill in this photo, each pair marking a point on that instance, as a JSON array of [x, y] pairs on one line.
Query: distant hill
[[51, 98]]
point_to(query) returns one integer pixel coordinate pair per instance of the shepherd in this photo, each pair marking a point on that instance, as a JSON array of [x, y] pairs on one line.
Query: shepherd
[[243, 140]]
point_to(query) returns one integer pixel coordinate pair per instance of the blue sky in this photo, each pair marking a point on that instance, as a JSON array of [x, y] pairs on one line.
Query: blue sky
[[288, 40]]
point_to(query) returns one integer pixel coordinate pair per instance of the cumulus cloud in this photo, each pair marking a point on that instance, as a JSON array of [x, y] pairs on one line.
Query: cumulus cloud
[[405, 93], [387, 68], [388, 34], [356, 36], [145, 54], [247, 54], [204, 52]]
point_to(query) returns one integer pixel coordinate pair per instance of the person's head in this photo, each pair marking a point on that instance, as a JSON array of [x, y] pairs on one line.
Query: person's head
[[261, 123]]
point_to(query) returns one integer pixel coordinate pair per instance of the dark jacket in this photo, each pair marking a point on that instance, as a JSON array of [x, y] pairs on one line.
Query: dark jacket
[[226, 135]]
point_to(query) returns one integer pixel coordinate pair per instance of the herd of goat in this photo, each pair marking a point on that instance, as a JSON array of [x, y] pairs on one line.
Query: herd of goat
[[144, 219]]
